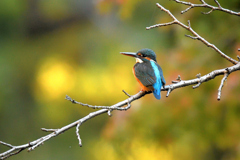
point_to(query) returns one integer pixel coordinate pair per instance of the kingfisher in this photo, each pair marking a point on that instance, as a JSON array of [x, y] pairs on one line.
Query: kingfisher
[[147, 71]]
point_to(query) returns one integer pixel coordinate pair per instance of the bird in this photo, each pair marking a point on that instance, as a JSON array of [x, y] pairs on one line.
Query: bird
[[147, 71]]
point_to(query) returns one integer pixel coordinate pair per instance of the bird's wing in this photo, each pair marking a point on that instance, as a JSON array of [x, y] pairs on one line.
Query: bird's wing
[[159, 82], [161, 75], [145, 74]]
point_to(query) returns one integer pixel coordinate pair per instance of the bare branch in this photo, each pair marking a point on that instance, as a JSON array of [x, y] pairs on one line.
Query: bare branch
[[196, 86], [206, 5], [238, 57], [179, 78], [207, 12], [175, 81], [6, 144], [168, 92], [113, 107], [202, 79], [55, 132], [218, 3], [126, 93], [198, 75], [221, 85], [160, 25], [49, 130], [78, 135], [109, 113], [189, 28], [186, 9], [195, 38], [127, 103]]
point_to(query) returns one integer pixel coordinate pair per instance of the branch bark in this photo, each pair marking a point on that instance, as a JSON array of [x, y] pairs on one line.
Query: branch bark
[[55, 132], [206, 5], [189, 28]]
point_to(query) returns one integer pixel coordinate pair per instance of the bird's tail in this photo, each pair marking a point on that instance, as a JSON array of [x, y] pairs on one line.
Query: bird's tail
[[157, 89], [157, 94]]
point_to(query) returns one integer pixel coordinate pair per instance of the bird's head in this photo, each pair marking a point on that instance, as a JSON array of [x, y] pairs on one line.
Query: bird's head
[[142, 55]]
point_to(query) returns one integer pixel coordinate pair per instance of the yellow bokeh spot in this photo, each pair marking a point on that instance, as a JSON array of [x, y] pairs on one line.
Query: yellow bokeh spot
[[141, 151], [54, 79], [100, 150], [137, 148], [104, 85]]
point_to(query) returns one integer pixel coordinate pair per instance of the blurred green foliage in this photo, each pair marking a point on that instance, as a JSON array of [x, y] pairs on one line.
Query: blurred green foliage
[[52, 48]]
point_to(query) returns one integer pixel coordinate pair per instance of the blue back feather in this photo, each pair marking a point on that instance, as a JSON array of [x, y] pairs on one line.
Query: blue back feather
[[158, 84]]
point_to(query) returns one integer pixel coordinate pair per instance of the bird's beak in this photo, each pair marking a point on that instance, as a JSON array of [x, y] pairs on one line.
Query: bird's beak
[[131, 54]]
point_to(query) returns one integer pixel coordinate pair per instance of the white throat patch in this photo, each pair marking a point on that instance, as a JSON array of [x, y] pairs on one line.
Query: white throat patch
[[138, 60]]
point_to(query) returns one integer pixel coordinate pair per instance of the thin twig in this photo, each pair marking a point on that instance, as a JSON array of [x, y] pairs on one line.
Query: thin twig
[[189, 28], [78, 135], [207, 12], [198, 75], [196, 86], [126, 93], [6, 144], [168, 92], [221, 85], [110, 112], [206, 5], [195, 38], [113, 107], [49, 130], [238, 57]]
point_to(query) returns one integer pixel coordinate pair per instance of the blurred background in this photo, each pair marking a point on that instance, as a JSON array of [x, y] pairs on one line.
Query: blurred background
[[52, 48]]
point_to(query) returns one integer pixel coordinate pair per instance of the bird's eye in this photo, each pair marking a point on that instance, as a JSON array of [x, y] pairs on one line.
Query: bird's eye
[[139, 54]]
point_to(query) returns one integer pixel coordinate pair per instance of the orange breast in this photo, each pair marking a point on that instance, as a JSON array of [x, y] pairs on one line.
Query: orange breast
[[144, 88]]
